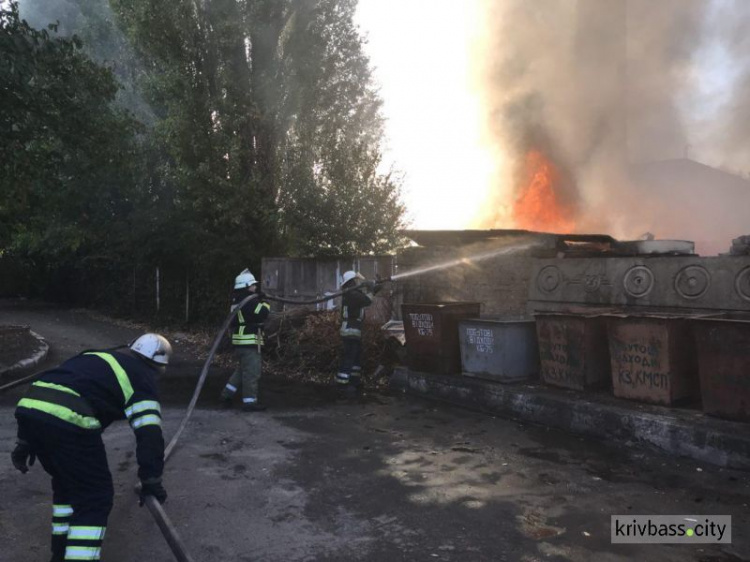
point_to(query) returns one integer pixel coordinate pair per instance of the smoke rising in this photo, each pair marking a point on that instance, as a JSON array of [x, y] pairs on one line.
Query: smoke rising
[[662, 39], [94, 22], [728, 139], [602, 87]]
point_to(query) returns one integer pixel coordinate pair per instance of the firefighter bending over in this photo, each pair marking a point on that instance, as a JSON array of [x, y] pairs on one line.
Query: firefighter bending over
[[60, 421], [353, 304]]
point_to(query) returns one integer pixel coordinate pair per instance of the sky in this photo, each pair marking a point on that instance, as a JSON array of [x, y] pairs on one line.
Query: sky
[[422, 53]]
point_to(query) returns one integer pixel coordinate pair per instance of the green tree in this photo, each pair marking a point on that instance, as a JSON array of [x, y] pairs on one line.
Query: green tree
[[66, 150], [94, 23], [272, 125], [336, 200], [259, 134], [220, 212]]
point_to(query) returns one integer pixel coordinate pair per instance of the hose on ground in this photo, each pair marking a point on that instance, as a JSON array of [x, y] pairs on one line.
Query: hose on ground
[[20, 382], [167, 529], [215, 346], [165, 525], [203, 375]]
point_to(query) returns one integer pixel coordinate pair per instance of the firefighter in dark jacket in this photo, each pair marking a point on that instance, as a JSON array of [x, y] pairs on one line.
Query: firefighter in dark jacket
[[353, 305], [60, 421], [247, 339]]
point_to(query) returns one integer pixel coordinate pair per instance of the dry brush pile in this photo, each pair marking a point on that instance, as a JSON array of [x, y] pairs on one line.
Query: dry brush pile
[[305, 345], [300, 344]]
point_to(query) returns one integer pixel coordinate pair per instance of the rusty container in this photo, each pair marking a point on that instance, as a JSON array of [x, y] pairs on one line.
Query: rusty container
[[653, 358], [501, 350], [431, 332], [723, 344], [573, 350]]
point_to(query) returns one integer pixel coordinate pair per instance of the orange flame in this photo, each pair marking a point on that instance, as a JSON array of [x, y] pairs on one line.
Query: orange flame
[[539, 205]]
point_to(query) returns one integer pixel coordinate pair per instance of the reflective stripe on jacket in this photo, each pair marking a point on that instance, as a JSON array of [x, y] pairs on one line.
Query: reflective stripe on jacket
[[61, 402], [248, 324], [68, 405], [91, 390]]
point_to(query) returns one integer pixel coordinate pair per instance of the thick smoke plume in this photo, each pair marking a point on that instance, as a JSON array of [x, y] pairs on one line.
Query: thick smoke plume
[[601, 87]]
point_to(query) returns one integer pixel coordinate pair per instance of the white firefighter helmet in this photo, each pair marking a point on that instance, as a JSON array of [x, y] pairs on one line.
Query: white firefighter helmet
[[153, 347], [244, 279], [348, 276]]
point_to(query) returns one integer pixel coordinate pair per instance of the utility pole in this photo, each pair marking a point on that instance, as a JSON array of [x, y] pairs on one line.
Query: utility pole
[[158, 300], [187, 297]]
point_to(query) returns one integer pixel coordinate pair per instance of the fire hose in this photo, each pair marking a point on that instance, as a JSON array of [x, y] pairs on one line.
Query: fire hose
[[160, 517]]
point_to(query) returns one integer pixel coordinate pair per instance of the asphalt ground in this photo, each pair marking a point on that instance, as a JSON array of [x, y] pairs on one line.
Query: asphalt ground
[[383, 478]]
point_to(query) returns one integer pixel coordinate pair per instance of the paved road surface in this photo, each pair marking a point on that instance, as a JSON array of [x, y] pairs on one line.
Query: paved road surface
[[387, 479]]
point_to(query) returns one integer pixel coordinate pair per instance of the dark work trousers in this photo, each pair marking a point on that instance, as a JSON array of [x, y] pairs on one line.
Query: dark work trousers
[[247, 374], [350, 368], [82, 490]]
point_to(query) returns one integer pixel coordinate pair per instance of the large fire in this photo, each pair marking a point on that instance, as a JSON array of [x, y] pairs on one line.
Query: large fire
[[541, 203]]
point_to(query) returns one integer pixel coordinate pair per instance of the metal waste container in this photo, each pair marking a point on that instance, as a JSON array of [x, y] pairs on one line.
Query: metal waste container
[[653, 357], [499, 350], [432, 335], [723, 343], [573, 349]]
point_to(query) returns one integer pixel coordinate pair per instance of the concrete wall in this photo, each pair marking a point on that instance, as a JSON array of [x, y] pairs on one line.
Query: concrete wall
[[514, 286], [500, 284], [504, 284], [681, 282]]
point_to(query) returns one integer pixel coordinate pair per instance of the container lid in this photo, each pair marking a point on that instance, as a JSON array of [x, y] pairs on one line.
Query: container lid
[[446, 303], [578, 312], [736, 317], [635, 314], [656, 247], [498, 320]]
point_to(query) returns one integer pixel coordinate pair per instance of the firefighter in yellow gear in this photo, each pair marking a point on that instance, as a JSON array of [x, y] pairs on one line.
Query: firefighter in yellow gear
[[247, 340]]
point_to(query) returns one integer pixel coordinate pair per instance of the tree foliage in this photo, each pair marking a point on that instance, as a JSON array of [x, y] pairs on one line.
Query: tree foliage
[[66, 148], [272, 113], [335, 199], [196, 135]]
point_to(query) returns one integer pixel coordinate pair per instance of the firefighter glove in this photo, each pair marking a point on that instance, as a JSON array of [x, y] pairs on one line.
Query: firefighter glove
[[22, 455], [152, 488]]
